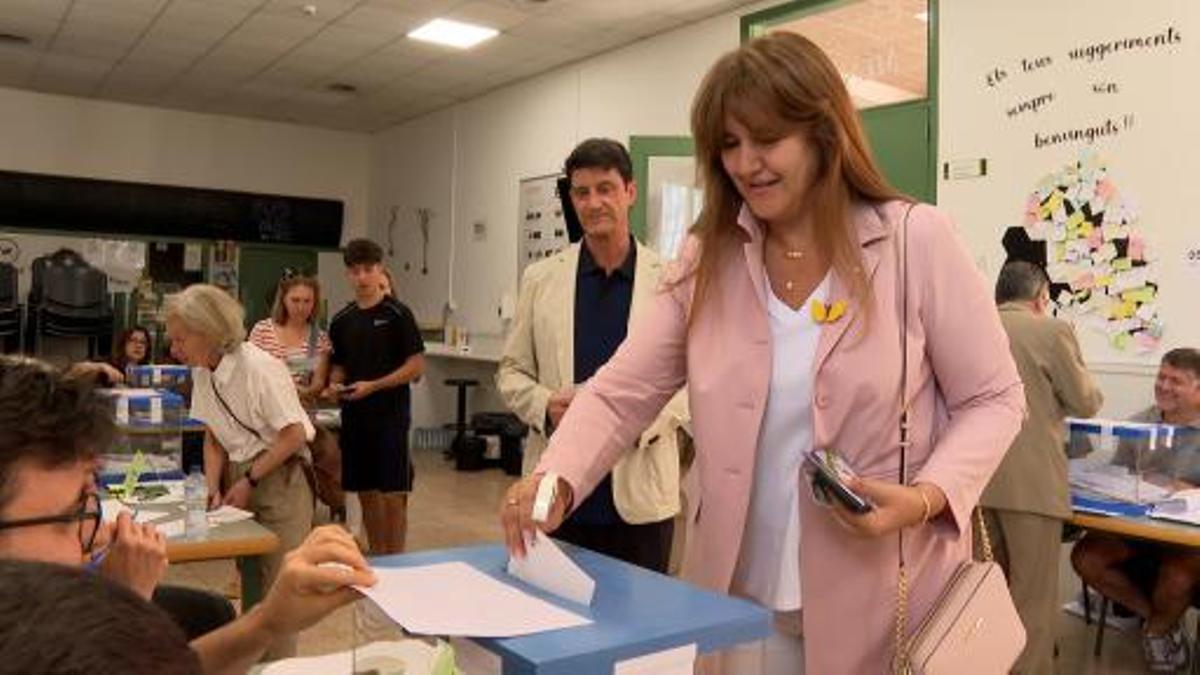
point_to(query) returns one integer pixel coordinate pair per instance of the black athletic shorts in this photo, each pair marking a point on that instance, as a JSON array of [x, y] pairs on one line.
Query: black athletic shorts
[[375, 455]]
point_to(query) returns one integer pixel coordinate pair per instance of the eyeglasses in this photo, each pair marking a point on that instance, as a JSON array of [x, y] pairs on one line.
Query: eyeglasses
[[87, 514]]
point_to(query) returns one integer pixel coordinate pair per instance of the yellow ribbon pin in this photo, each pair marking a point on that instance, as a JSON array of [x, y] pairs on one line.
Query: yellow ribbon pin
[[823, 313]]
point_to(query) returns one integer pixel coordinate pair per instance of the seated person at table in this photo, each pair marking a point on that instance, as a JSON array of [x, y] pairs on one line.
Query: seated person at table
[[50, 427], [60, 619], [1156, 581], [132, 348]]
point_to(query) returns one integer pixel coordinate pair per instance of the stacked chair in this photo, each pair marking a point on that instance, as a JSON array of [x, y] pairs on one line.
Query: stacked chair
[[10, 310], [69, 298]]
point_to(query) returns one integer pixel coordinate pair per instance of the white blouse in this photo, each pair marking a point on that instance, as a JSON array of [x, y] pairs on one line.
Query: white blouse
[[768, 569], [259, 394]]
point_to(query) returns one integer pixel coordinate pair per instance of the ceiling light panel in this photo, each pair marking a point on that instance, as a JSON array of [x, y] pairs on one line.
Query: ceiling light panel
[[453, 33]]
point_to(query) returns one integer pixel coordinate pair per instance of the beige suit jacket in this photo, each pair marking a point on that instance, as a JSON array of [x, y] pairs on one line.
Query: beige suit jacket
[[1033, 476], [539, 359]]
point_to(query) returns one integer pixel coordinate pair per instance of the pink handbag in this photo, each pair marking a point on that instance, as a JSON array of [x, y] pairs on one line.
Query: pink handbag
[[973, 626]]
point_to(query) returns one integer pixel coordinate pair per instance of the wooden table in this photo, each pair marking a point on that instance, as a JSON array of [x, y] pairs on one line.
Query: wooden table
[[1152, 529], [246, 542]]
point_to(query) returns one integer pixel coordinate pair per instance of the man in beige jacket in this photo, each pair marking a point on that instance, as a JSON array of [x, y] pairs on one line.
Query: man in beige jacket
[[1028, 499], [573, 313]]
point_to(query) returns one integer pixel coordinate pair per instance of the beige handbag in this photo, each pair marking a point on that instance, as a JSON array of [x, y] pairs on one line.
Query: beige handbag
[[973, 627]]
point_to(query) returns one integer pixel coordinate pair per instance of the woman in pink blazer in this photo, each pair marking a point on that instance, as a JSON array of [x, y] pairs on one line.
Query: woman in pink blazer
[[797, 218]]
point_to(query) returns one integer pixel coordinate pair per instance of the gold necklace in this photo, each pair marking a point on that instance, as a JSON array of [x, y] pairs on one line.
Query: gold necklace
[[791, 254]]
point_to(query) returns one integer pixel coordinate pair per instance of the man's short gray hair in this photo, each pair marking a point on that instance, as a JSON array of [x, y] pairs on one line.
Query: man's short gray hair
[[212, 312], [1020, 281]]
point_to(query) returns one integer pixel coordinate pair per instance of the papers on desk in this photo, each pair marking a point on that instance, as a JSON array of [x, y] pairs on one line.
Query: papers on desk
[[548, 568], [1111, 480], [455, 599], [1181, 507], [228, 514], [111, 508]]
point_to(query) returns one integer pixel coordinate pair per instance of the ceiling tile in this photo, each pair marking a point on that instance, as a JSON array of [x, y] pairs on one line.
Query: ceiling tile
[[285, 76], [35, 9], [327, 10], [266, 29], [95, 18], [204, 12], [144, 7], [396, 21], [349, 37], [500, 16], [90, 47], [16, 65]]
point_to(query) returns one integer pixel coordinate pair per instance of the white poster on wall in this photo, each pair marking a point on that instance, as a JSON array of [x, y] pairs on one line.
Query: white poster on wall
[[1082, 117]]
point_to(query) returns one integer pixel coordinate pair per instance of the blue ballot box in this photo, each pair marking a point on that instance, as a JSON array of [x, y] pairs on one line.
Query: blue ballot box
[[634, 612]]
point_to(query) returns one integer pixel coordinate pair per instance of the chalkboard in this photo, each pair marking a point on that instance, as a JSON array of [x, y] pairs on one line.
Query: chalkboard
[[70, 204]]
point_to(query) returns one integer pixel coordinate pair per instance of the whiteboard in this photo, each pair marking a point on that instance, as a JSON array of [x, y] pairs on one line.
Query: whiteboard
[[1095, 101], [542, 230]]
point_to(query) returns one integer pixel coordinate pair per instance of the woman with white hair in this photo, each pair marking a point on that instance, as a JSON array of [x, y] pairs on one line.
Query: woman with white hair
[[255, 425]]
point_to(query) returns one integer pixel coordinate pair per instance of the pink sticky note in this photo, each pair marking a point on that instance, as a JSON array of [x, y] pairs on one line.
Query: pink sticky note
[[1095, 239], [1137, 247], [1146, 342], [1104, 189]]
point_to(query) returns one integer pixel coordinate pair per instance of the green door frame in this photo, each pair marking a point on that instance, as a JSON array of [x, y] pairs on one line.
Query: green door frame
[[641, 149], [757, 23]]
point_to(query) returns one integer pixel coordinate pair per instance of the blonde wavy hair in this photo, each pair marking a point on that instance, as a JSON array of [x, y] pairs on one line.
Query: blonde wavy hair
[[211, 312]]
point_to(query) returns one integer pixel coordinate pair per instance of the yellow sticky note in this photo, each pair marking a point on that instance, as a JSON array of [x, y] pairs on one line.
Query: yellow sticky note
[[1055, 201], [1105, 280], [1122, 309], [1075, 220], [1085, 228], [1139, 295], [1122, 264], [1121, 341], [1058, 251]]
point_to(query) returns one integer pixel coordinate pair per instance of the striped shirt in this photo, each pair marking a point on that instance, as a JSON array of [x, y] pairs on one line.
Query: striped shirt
[[265, 336]]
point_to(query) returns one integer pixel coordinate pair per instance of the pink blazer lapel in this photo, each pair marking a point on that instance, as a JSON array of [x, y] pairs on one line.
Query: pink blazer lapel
[[871, 230]]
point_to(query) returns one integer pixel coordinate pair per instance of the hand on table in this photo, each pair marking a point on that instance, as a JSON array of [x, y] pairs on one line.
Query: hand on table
[[315, 579]]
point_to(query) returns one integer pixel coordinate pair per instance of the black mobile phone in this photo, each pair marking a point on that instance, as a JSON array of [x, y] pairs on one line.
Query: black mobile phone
[[829, 475]]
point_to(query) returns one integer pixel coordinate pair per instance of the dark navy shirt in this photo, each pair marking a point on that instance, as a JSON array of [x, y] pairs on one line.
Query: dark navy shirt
[[602, 303]]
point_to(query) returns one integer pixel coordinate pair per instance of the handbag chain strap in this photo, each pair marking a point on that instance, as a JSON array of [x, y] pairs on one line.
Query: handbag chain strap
[[900, 663], [900, 660]]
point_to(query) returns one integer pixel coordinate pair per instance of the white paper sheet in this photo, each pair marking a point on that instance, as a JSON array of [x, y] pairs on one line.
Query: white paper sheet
[[228, 514], [111, 508], [456, 599], [548, 568]]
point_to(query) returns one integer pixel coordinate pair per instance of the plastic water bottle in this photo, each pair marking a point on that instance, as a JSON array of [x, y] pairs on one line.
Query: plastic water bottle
[[195, 497]]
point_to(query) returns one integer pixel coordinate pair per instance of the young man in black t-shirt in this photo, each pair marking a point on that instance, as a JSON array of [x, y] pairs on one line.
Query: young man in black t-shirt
[[377, 352]]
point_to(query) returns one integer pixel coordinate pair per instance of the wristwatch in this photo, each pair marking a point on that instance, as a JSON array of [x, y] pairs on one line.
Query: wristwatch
[[249, 478]]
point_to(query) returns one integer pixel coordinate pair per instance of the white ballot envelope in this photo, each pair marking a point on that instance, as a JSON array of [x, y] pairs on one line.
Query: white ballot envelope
[[545, 566]]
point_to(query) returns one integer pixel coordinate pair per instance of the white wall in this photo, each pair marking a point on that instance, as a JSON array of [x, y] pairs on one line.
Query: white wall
[[97, 139], [466, 163]]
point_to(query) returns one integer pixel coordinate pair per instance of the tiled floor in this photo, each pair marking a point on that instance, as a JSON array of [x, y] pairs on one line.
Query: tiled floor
[[449, 508]]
